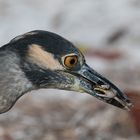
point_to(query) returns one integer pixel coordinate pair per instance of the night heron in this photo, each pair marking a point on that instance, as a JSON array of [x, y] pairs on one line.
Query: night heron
[[41, 59]]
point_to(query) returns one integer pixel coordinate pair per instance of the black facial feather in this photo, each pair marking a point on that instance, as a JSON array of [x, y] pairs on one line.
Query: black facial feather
[[50, 42]]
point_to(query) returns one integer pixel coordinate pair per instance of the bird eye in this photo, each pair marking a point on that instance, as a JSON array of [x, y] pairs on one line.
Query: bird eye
[[71, 61]]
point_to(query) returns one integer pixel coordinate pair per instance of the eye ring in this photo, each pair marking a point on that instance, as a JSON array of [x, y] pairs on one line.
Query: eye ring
[[71, 61]]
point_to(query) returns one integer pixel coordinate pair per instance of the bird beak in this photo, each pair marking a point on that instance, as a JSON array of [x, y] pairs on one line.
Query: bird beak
[[96, 85]]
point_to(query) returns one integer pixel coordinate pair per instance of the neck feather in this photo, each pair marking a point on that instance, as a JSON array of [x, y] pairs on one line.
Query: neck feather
[[13, 82]]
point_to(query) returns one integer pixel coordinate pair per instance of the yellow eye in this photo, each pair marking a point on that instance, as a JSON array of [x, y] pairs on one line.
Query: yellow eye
[[71, 61]]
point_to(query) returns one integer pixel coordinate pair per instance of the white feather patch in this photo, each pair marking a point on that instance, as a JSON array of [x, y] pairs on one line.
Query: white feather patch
[[43, 58]]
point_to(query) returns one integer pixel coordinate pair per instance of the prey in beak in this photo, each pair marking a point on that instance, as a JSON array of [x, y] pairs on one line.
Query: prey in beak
[[101, 88], [87, 80], [70, 72]]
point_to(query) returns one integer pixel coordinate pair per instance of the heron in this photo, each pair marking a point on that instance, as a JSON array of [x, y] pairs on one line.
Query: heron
[[42, 59]]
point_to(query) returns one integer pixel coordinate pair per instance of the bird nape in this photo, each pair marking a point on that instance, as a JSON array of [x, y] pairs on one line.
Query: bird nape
[[41, 59]]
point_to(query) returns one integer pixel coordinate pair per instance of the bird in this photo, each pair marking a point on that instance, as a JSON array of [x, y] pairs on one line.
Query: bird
[[42, 59]]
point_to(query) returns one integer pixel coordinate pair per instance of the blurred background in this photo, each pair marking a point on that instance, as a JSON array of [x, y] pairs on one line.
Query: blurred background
[[108, 33]]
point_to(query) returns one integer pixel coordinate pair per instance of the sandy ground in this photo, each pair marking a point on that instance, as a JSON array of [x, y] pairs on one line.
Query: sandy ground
[[71, 117]]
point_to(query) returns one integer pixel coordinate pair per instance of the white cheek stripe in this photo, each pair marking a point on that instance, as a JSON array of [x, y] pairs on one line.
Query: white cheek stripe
[[43, 58]]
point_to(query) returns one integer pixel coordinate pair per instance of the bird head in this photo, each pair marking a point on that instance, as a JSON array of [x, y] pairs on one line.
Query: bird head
[[50, 61]]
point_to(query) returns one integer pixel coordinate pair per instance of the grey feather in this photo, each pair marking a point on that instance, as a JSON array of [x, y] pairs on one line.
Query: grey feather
[[13, 82]]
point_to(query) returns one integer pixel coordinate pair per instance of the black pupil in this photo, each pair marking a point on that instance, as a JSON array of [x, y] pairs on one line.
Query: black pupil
[[72, 61]]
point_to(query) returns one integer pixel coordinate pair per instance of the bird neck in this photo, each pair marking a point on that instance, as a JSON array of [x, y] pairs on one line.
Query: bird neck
[[13, 82]]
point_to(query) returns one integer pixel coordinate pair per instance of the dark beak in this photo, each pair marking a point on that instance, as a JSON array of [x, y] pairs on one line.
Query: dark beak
[[98, 86]]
